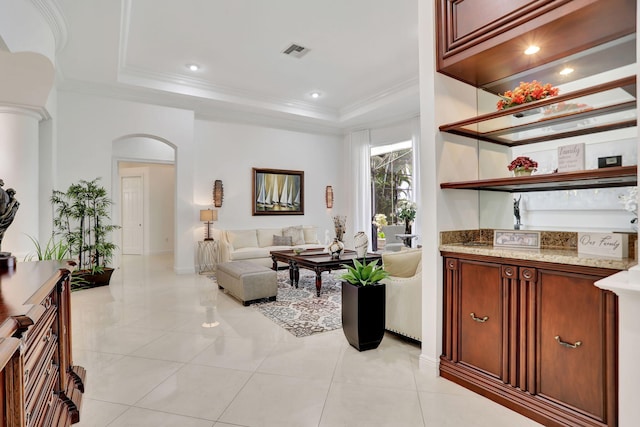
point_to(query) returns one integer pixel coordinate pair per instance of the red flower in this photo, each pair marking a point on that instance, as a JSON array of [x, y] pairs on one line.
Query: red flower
[[523, 162], [524, 93]]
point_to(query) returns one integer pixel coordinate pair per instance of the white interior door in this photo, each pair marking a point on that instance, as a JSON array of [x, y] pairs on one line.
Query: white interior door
[[132, 215]]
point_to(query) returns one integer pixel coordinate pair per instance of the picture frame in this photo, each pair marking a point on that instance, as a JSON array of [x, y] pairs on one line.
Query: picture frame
[[516, 239], [277, 192]]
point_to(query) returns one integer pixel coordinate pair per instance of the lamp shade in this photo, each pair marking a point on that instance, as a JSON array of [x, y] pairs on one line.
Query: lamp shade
[[207, 215]]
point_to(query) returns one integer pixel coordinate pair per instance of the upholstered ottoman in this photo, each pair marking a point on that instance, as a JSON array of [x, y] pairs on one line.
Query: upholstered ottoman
[[247, 281]]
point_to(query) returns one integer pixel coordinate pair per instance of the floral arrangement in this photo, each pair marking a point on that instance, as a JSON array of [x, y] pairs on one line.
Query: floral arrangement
[[406, 211], [523, 163], [630, 203], [526, 92], [379, 220]]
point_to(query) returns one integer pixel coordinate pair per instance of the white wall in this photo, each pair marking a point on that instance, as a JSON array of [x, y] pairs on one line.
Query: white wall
[[87, 128], [229, 151]]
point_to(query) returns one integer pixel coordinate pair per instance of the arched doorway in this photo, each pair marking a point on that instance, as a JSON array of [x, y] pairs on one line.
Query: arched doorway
[[144, 188]]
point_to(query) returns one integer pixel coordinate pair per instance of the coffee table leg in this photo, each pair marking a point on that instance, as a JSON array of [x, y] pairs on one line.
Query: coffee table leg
[[291, 275], [296, 273], [318, 281]]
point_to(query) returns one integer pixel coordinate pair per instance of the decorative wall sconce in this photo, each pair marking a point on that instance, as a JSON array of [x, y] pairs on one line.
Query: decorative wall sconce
[[208, 216], [218, 193], [328, 195]]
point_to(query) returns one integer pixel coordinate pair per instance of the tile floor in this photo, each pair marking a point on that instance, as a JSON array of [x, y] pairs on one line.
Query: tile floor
[[150, 362]]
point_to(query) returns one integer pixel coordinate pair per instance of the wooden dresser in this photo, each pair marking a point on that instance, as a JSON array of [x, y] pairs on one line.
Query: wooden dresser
[[39, 385]]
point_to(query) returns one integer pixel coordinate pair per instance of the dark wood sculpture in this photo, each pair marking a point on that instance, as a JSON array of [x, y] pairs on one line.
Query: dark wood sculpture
[[8, 208]]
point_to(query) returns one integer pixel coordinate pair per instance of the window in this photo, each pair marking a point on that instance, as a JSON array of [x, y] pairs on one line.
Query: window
[[391, 178]]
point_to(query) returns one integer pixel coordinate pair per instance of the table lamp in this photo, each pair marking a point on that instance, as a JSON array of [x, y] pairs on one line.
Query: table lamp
[[208, 216]]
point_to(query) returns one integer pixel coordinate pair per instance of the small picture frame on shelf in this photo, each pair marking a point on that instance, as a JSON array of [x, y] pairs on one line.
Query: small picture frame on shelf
[[609, 161], [516, 239], [571, 157]]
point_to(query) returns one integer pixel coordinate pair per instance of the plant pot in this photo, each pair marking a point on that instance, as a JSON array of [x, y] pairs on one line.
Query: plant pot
[[90, 280], [363, 315], [522, 172]]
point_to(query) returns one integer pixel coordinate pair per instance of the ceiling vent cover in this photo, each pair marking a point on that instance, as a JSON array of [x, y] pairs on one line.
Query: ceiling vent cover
[[295, 50]]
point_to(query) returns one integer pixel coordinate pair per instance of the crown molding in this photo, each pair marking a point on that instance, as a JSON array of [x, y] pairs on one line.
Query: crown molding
[[183, 85], [52, 14]]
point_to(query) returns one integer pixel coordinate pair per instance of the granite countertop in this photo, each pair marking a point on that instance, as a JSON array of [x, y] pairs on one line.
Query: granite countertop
[[557, 255]]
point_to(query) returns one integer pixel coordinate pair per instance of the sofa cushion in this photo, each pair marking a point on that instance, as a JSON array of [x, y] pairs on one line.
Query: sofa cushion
[[265, 236], [296, 233], [281, 240], [310, 234], [250, 253], [242, 238], [402, 263]]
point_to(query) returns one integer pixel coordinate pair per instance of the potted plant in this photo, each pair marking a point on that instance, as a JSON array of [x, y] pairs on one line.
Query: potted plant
[[363, 304], [81, 220], [407, 213]]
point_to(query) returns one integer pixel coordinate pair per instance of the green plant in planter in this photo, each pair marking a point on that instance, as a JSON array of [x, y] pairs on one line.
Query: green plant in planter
[[53, 250], [81, 220], [363, 304], [363, 274]]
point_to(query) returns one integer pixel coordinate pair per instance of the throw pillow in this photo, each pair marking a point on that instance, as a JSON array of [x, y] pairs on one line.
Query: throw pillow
[[310, 234], [281, 240], [402, 263], [242, 238], [296, 233]]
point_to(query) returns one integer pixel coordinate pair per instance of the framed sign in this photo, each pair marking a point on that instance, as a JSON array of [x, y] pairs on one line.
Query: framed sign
[[278, 192], [516, 239]]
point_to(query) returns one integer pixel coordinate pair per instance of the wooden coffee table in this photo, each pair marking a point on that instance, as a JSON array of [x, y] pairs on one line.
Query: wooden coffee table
[[316, 260]]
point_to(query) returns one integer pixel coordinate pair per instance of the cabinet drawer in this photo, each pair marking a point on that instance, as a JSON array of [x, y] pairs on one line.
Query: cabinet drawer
[[35, 380], [481, 317], [38, 343], [42, 411], [571, 340]]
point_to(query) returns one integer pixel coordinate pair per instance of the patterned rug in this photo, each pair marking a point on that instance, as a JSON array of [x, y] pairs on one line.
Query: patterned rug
[[300, 311]]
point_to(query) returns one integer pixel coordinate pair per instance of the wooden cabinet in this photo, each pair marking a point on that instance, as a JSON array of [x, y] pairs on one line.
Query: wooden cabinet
[[39, 384], [537, 337], [479, 42]]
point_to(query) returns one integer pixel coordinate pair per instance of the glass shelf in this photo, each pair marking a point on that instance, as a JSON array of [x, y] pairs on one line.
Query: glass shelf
[[600, 108], [621, 176]]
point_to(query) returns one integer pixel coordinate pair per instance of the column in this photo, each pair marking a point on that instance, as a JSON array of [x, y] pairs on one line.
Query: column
[[626, 285]]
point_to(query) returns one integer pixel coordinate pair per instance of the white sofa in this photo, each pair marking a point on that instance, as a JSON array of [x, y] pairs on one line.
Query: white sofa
[[256, 244], [404, 292]]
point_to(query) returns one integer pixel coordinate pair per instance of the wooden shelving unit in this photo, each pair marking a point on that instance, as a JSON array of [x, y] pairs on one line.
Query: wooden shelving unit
[[600, 108], [622, 176]]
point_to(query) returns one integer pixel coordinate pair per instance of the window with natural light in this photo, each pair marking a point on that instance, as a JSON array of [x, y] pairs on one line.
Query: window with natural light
[[391, 179]]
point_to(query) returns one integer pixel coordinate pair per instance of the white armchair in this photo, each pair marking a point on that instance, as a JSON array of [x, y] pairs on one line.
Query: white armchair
[[404, 292]]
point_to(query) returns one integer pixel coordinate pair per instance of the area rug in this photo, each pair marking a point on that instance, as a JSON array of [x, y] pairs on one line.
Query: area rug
[[299, 310]]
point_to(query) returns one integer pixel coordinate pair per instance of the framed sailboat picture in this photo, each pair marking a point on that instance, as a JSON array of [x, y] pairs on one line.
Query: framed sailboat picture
[[278, 192]]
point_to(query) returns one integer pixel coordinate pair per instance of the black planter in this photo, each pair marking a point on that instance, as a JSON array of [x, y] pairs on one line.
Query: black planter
[[89, 280], [363, 317]]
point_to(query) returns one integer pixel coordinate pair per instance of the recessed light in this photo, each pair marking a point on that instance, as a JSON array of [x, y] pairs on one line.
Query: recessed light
[[193, 67], [315, 95], [566, 71], [531, 50]]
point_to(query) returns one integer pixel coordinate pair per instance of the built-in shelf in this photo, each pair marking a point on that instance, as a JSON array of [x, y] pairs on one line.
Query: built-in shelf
[[600, 108], [622, 176]]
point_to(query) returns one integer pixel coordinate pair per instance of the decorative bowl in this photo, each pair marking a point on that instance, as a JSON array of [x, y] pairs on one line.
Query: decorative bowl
[[298, 251]]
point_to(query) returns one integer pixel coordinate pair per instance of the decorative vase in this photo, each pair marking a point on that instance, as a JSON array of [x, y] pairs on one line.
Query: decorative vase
[[407, 227], [522, 172], [363, 314], [361, 243], [335, 248]]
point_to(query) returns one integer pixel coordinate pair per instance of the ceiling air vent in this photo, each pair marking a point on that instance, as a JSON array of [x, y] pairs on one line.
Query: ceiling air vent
[[295, 50]]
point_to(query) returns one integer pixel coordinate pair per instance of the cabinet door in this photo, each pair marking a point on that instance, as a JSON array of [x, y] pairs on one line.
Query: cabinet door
[[576, 344], [481, 317]]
